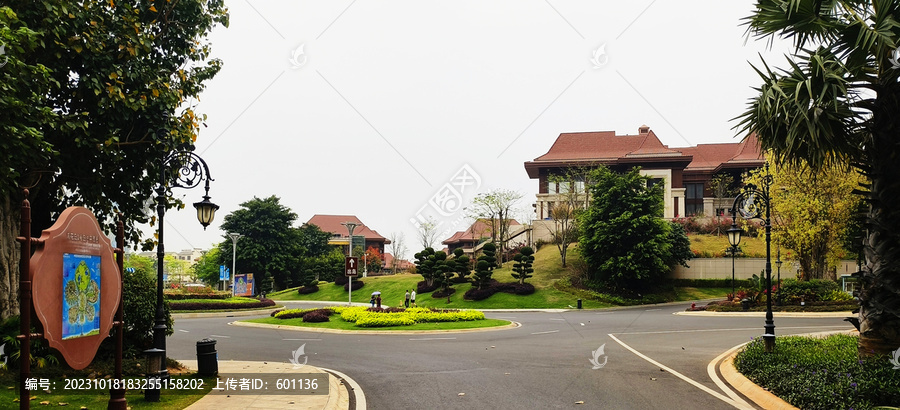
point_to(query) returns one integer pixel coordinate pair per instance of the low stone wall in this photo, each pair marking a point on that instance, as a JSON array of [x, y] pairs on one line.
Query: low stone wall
[[744, 268]]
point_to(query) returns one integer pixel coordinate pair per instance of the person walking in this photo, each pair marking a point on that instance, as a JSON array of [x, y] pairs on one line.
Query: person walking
[[412, 298], [373, 300], [378, 300], [406, 299]]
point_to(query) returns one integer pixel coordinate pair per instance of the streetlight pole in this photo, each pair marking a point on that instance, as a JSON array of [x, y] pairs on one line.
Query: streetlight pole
[[747, 204], [778, 265], [190, 171], [234, 238], [351, 226], [734, 239]]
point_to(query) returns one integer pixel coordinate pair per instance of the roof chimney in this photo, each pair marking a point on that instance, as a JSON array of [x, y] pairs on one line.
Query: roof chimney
[[643, 129]]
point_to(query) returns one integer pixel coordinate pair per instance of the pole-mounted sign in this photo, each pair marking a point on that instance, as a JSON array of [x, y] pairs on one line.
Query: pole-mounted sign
[[351, 266]]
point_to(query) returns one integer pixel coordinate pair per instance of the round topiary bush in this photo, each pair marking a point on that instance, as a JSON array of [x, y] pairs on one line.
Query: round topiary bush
[[305, 290], [341, 280], [357, 285], [524, 289], [424, 287], [316, 316]]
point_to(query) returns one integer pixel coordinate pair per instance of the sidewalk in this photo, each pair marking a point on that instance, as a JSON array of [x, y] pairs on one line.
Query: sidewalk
[[338, 397]]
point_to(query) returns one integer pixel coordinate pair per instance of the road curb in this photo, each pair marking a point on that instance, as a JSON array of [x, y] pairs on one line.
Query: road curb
[[786, 315], [357, 398], [746, 387], [225, 313], [511, 325]]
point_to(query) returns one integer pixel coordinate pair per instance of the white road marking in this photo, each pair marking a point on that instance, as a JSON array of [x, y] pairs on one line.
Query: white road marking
[[544, 333], [558, 319], [709, 391], [711, 371], [434, 338], [651, 310], [725, 330], [311, 340], [183, 331], [224, 337]]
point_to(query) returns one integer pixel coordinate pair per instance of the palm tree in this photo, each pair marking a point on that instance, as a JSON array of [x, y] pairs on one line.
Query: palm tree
[[839, 103]]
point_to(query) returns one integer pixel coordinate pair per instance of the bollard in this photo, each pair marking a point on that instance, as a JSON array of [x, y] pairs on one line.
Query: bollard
[[579, 303], [207, 358]]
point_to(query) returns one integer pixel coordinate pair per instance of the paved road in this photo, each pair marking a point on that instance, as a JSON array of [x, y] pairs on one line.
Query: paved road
[[545, 363]]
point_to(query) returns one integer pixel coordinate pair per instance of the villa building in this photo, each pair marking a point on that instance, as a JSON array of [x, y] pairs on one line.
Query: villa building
[[684, 172], [362, 235]]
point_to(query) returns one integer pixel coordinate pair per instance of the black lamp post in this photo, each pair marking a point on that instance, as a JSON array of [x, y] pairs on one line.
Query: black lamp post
[[753, 203], [734, 239], [190, 170], [778, 266]]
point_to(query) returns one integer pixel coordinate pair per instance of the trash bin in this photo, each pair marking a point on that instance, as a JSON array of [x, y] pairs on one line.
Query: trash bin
[[579, 303], [745, 304], [207, 358]]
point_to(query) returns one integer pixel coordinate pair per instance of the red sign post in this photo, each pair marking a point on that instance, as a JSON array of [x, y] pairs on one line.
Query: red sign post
[[351, 267]]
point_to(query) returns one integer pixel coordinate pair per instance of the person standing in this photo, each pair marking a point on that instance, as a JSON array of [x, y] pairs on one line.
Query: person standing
[[373, 300], [412, 298], [378, 300], [406, 299]]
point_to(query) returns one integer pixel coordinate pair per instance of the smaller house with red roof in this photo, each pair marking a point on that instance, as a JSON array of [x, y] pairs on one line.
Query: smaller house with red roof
[[362, 235], [684, 172], [478, 232]]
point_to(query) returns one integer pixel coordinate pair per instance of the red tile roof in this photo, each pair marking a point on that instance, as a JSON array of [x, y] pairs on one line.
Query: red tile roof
[[481, 228], [604, 147], [713, 157], [332, 223]]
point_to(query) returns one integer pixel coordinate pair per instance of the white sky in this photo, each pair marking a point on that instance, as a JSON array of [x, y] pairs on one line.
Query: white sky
[[384, 101]]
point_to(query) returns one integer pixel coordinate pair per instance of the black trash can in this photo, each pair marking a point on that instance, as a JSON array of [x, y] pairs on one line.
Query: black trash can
[[207, 358], [579, 303]]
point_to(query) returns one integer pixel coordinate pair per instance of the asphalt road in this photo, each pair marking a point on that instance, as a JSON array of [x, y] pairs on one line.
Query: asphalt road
[[652, 359]]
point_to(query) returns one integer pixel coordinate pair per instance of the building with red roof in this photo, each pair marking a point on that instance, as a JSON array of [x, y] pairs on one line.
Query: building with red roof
[[340, 235], [685, 172], [479, 232]]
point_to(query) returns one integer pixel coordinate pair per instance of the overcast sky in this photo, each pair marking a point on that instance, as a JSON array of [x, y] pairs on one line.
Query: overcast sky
[[372, 107]]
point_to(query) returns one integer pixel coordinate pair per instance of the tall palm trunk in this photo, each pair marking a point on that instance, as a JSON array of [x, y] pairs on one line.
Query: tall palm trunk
[[879, 313]]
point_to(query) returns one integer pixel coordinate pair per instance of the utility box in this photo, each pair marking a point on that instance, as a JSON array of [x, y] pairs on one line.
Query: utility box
[[207, 358]]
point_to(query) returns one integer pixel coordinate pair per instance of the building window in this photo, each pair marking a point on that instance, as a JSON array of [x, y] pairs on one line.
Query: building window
[[693, 199]]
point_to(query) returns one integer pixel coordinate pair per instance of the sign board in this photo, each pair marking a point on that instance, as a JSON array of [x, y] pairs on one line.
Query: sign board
[[351, 266], [77, 286], [224, 273], [243, 284]]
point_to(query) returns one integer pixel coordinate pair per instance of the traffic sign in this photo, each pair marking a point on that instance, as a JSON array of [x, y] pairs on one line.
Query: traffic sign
[[351, 266]]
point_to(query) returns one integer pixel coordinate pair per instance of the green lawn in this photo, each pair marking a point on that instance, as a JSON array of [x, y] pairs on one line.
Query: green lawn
[[708, 246], [336, 322]]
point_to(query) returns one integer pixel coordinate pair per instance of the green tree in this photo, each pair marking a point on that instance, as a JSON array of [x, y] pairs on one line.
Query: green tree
[[496, 208], [484, 268], [623, 240], [269, 247], [836, 104], [573, 198], [522, 269], [86, 87], [139, 304], [812, 212], [425, 265], [207, 268], [462, 264]]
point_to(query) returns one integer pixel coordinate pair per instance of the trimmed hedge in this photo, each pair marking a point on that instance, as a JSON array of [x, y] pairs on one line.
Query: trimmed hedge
[[305, 290], [374, 317], [515, 288], [317, 316], [178, 305], [423, 287], [357, 285], [711, 283]]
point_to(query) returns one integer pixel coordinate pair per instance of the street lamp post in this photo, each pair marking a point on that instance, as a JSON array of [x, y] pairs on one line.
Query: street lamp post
[[190, 171], [734, 239], [750, 204], [351, 226], [234, 238], [778, 265]]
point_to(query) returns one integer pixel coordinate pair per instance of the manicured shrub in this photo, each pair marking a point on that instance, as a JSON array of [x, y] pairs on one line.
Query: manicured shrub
[[305, 290], [524, 289], [317, 316], [341, 280], [385, 319], [423, 287], [478, 294], [357, 285]]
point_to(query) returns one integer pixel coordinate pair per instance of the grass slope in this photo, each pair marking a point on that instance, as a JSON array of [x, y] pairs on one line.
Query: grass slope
[[548, 271]]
